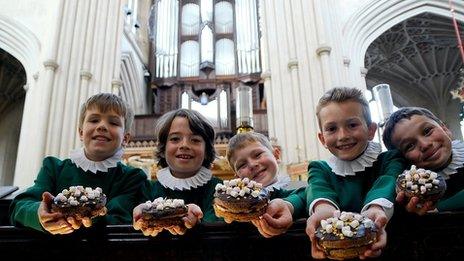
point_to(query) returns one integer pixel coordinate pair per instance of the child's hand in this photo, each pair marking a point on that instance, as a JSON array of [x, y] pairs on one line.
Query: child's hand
[[77, 223], [193, 217], [276, 220], [413, 206], [139, 224], [322, 210], [52, 222], [376, 214]]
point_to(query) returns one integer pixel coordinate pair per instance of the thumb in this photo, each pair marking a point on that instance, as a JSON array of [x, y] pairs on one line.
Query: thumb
[[380, 221], [277, 222], [198, 213], [196, 210], [272, 210], [271, 221], [47, 197]]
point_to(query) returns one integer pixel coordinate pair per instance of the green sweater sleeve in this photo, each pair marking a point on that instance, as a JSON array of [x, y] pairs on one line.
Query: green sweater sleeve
[[207, 205], [297, 198], [126, 197], [23, 209], [392, 164], [319, 185], [455, 202]]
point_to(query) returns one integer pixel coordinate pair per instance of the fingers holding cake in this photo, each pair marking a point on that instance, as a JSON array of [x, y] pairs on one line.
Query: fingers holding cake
[[322, 210], [276, 220], [347, 235], [71, 209], [53, 222], [161, 214], [194, 215], [79, 205], [379, 217]]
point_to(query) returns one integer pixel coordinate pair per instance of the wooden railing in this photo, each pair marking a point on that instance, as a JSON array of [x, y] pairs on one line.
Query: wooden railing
[[431, 237]]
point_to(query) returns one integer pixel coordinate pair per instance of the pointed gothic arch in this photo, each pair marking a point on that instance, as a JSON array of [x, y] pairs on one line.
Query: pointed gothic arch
[[20, 43], [376, 17]]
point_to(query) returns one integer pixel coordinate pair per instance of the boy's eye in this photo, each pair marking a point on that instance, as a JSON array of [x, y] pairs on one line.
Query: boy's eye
[[197, 139], [330, 129], [408, 147], [258, 154], [427, 131]]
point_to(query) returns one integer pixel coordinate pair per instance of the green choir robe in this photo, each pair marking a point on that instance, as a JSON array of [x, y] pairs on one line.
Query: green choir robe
[[351, 193], [453, 199], [298, 200], [279, 193], [121, 185]]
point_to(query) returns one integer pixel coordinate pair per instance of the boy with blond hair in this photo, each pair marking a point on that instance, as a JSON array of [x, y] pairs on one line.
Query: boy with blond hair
[[104, 124]]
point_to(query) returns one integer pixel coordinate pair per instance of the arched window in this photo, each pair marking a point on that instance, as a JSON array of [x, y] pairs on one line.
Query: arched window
[[206, 11], [225, 58], [216, 50], [209, 110], [185, 104], [189, 63], [190, 19], [166, 38], [223, 110], [206, 45], [224, 18]]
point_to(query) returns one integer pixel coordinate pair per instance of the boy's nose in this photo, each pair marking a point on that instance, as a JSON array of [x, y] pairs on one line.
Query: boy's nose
[[343, 134], [102, 126], [252, 164], [424, 144], [184, 144]]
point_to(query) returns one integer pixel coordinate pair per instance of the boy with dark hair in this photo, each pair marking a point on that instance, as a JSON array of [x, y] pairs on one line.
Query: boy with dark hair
[[425, 141]]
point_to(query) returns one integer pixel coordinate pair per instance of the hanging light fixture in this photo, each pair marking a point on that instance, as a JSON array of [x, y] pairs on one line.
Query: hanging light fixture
[[204, 98], [244, 109], [384, 101]]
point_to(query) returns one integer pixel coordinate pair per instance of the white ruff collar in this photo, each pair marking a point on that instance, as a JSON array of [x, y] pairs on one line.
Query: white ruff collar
[[166, 179], [78, 157], [349, 168], [281, 182], [457, 159]]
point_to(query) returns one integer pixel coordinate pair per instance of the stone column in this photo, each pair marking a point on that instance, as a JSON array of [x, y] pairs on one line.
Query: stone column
[[89, 58]]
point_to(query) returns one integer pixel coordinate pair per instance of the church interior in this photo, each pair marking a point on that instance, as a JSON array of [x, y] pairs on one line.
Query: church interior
[[245, 65]]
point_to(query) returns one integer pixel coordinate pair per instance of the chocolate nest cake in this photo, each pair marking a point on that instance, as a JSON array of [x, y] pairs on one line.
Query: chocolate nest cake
[[345, 235], [424, 184], [163, 213], [80, 202], [240, 200]]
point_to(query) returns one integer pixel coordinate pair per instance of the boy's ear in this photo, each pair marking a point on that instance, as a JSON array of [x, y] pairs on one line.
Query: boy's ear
[[277, 153], [81, 134], [125, 139], [371, 129], [320, 136]]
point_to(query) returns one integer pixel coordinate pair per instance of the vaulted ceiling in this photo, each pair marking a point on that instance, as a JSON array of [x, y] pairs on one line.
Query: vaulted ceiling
[[417, 57], [12, 80]]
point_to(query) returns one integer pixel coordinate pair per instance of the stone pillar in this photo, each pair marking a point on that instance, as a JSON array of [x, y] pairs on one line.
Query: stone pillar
[[324, 53], [89, 58]]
